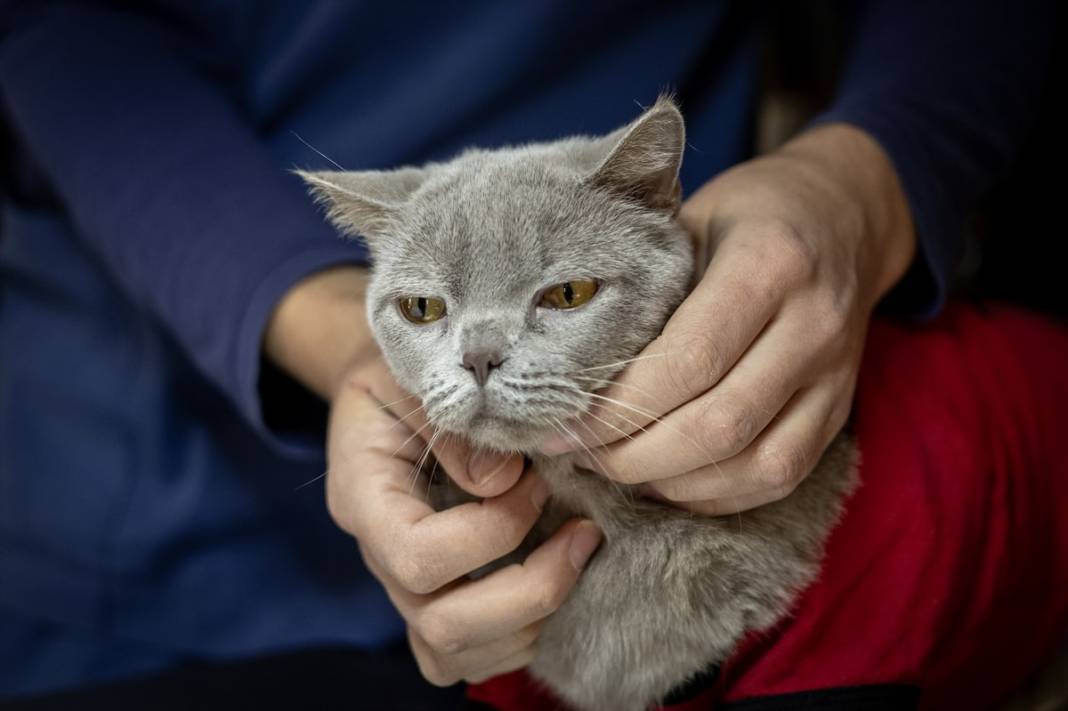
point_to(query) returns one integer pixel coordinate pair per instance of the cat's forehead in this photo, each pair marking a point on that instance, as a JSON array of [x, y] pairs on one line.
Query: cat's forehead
[[514, 206]]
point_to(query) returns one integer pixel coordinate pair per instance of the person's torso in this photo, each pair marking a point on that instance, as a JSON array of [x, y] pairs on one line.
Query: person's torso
[[134, 500]]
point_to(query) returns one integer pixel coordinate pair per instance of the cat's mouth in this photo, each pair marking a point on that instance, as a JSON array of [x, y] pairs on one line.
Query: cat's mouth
[[505, 420], [504, 433]]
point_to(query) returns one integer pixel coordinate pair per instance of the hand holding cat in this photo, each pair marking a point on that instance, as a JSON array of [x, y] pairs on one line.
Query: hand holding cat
[[458, 628], [732, 406]]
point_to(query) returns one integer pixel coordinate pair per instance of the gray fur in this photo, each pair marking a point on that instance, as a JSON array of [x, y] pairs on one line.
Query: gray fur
[[668, 593]]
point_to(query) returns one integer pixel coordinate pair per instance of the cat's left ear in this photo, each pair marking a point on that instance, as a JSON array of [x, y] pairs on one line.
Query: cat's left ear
[[643, 164], [364, 203]]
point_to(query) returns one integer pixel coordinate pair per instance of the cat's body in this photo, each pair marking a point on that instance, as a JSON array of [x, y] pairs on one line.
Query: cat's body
[[501, 280], [671, 593]]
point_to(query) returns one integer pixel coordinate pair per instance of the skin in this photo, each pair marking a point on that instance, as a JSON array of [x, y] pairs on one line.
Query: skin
[[728, 409]]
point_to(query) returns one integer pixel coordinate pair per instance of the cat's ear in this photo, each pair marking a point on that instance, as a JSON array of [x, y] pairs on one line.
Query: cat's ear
[[363, 203], [644, 158]]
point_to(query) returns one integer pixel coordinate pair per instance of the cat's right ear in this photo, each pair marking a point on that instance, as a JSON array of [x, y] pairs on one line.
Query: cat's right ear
[[644, 158], [363, 203]]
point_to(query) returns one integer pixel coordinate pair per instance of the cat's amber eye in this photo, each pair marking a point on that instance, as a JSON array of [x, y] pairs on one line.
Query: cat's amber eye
[[421, 309], [569, 294]]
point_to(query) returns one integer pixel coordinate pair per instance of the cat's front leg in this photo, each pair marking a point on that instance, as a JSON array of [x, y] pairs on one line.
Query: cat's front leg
[[636, 626]]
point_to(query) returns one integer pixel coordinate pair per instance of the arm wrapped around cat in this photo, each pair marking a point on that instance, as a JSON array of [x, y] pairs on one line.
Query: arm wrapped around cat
[[510, 286]]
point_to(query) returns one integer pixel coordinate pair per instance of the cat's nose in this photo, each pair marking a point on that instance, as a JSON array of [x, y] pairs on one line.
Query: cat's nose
[[480, 363]]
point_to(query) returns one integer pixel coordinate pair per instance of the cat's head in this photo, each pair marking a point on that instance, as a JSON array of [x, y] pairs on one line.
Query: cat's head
[[509, 284]]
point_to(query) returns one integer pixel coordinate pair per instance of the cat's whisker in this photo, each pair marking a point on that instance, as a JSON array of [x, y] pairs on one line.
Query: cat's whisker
[[417, 470], [642, 412], [603, 469], [321, 154], [615, 383], [405, 417], [434, 468], [311, 481], [626, 361], [658, 420], [606, 423], [562, 428], [414, 472], [410, 438], [427, 453], [635, 425], [630, 422], [653, 417], [395, 402]]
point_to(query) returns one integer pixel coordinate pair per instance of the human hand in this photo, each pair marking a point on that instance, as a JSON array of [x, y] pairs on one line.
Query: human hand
[[752, 377], [457, 628]]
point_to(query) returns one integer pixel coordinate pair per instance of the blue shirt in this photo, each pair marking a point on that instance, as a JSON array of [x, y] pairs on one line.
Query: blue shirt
[[148, 514]]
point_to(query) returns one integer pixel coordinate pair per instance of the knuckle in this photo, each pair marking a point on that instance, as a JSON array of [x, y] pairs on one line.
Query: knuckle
[[700, 430], [441, 633], [436, 672], [781, 467], [832, 315], [527, 636], [736, 430], [413, 574], [549, 596], [723, 429], [698, 362], [794, 258], [779, 493]]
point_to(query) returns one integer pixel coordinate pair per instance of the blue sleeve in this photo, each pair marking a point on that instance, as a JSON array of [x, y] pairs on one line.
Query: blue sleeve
[[949, 89], [165, 179]]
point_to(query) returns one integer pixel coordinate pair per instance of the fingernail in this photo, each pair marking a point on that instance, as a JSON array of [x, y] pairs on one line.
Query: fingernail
[[583, 543], [556, 444], [483, 466], [540, 494]]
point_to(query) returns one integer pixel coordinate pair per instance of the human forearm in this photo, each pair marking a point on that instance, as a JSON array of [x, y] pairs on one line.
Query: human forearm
[[319, 330], [164, 179], [858, 179]]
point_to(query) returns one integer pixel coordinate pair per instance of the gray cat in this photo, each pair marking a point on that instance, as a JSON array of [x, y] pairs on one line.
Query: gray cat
[[507, 286]]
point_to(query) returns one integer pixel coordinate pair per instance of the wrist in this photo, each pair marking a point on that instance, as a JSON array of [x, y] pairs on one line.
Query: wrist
[[872, 206], [318, 331]]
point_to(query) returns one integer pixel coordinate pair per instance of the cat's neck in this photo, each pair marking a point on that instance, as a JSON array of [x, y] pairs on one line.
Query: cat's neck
[[579, 492]]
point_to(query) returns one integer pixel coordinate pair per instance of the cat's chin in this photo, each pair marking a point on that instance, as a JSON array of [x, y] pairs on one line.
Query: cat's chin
[[503, 435]]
